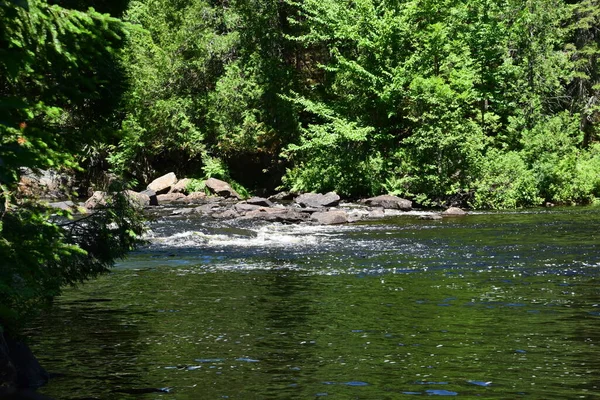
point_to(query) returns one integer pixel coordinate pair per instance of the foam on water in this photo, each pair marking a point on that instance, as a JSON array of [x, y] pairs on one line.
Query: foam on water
[[272, 235]]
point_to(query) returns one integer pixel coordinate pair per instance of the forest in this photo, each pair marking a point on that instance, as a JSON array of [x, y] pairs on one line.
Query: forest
[[491, 104]]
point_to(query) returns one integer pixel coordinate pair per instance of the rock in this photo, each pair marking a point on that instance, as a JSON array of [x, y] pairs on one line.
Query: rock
[[46, 184], [221, 188], [376, 213], [170, 197], [98, 199], [357, 215], [137, 199], [152, 195], [283, 196], [260, 201], [19, 369], [243, 208], [163, 184], [195, 198], [432, 217], [318, 200], [180, 186], [330, 217], [30, 373], [454, 212], [227, 214], [273, 214], [389, 201]]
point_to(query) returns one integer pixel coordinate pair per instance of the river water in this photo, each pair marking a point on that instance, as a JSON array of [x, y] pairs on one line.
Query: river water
[[492, 305]]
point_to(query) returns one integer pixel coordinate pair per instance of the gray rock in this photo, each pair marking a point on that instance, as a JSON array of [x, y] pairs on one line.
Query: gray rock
[[357, 215], [318, 200], [227, 214], [98, 199], [283, 196], [18, 366], [221, 188], [195, 198], [389, 201], [163, 184], [260, 201], [330, 217], [432, 217], [180, 186], [376, 213], [243, 208], [454, 212], [170, 197], [152, 195], [205, 209], [276, 215], [137, 199], [47, 184]]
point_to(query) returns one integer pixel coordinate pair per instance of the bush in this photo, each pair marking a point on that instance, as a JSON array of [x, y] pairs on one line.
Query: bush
[[505, 182], [565, 172], [42, 251]]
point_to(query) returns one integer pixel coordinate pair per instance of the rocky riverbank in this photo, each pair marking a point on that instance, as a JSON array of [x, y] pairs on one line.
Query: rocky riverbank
[[220, 201]]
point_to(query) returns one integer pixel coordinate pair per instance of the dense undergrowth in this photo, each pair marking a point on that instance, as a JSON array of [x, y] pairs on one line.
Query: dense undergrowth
[[492, 102]]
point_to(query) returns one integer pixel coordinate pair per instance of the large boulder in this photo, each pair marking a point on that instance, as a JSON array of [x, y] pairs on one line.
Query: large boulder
[[330, 217], [19, 369], [243, 208], [318, 200], [221, 188], [195, 198], [46, 184], [137, 199], [260, 201], [389, 201], [98, 199], [152, 196], [171, 197], [454, 212], [283, 196], [180, 186], [163, 184]]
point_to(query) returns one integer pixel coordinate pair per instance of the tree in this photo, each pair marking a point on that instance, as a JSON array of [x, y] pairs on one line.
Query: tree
[[52, 79]]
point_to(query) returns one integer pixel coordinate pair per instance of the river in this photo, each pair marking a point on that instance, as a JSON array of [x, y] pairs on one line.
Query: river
[[491, 305]]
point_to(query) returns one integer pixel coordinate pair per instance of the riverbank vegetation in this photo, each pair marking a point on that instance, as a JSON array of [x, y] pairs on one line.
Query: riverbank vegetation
[[492, 103]]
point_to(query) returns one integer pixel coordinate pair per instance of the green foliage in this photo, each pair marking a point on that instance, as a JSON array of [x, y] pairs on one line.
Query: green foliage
[[41, 252], [54, 66], [563, 169], [196, 185], [418, 98], [204, 83], [505, 182], [441, 88]]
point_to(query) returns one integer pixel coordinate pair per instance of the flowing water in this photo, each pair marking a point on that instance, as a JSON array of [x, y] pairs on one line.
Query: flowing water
[[492, 305]]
